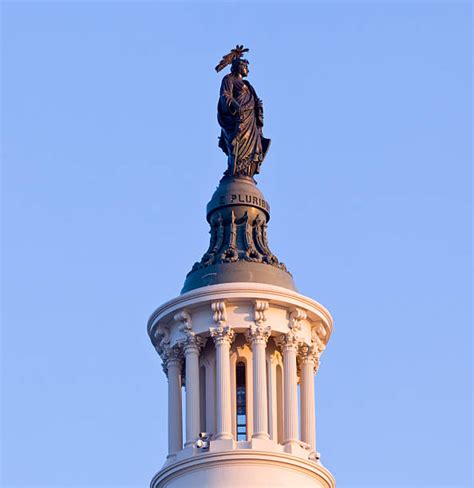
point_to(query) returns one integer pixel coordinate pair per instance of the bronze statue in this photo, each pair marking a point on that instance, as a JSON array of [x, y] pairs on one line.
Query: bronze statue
[[238, 212], [240, 115]]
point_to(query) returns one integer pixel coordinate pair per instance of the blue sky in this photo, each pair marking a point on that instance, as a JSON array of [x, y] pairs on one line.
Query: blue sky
[[109, 141]]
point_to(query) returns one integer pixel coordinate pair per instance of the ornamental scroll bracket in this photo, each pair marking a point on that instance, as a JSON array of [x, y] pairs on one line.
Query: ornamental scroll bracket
[[219, 313], [222, 332], [184, 321], [295, 318], [161, 339], [258, 332], [260, 308], [190, 340], [319, 337]]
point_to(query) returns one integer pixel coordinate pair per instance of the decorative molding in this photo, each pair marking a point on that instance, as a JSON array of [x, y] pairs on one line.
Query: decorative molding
[[316, 340], [260, 307], [249, 291], [183, 318], [191, 342], [251, 253], [241, 460], [261, 242], [217, 235], [292, 340], [161, 339], [219, 312], [238, 239], [230, 254], [295, 318]]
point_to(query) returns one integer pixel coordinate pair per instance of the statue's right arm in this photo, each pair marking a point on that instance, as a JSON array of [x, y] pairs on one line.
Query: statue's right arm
[[227, 96]]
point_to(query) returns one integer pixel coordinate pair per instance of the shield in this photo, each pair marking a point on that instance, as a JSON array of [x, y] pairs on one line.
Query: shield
[[265, 146]]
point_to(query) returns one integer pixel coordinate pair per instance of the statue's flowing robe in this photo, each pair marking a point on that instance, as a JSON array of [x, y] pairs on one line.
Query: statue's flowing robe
[[240, 115]]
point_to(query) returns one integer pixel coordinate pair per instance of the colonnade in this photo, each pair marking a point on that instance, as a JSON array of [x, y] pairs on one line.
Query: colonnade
[[295, 353]]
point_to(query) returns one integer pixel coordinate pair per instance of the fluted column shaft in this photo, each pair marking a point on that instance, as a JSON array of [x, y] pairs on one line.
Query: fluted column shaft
[[175, 427], [258, 337], [290, 395], [223, 337], [289, 347], [308, 415], [210, 399], [260, 417], [191, 351]]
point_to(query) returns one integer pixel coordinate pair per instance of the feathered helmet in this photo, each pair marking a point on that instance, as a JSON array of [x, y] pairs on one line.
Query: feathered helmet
[[234, 57]]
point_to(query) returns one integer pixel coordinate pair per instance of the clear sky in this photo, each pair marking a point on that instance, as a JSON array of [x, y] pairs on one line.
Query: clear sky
[[109, 142]]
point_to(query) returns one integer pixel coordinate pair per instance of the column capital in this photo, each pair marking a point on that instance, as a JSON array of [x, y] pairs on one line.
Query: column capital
[[193, 343], [174, 356], [288, 342], [258, 334], [222, 335], [171, 356], [309, 355]]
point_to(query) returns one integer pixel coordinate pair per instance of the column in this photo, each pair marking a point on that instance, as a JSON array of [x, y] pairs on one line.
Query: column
[[173, 366], [289, 346], [272, 401], [223, 337], [233, 393], [192, 346], [258, 337], [210, 398], [309, 360]]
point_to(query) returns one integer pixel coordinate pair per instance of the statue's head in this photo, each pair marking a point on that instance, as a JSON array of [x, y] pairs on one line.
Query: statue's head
[[240, 66]]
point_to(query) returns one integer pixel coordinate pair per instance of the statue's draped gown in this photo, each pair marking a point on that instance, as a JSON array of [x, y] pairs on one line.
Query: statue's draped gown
[[240, 115]]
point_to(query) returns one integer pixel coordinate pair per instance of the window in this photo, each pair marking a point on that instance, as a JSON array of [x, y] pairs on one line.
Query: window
[[241, 402]]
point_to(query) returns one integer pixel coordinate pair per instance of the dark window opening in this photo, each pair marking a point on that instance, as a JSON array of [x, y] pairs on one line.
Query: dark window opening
[[241, 402]]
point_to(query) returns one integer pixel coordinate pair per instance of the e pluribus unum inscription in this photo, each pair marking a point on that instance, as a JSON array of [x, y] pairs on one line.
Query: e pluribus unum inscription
[[244, 199]]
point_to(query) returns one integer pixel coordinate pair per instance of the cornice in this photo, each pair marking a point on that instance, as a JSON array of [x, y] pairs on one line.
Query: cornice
[[239, 291], [243, 457]]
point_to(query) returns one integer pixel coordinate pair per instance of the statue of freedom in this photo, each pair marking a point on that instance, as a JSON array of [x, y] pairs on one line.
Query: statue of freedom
[[240, 115]]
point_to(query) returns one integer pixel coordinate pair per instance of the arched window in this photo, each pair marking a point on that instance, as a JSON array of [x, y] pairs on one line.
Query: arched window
[[241, 402]]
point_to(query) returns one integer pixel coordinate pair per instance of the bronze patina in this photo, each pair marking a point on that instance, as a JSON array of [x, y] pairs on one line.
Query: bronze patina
[[240, 115], [238, 213]]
